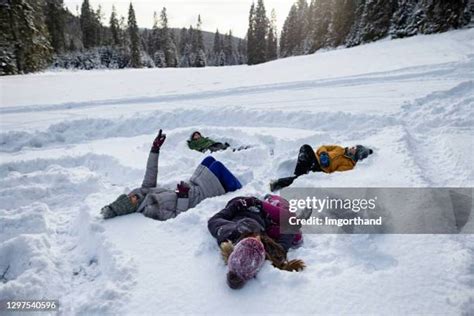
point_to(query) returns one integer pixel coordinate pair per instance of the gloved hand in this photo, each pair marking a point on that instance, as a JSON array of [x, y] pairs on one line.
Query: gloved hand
[[249, 226], [182, 189], [324, 160], [249, 204], [159, 140], [107, 212], [227, 232]]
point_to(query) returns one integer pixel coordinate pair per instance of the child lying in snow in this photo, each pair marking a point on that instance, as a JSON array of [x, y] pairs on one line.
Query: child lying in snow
[[328, 159], [254, 227], [211, 178], [203, 144]]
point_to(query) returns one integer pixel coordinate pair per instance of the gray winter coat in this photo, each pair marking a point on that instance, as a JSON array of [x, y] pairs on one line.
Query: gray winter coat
[[162, 204]]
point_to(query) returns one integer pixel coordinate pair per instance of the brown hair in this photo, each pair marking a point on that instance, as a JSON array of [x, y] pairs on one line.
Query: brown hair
[[194, 133]]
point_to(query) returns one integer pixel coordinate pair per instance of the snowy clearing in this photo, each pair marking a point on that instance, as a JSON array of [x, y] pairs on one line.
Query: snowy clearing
[[70, 142]]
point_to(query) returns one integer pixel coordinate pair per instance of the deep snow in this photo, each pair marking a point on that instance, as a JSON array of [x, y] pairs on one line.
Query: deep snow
[[70, 142]]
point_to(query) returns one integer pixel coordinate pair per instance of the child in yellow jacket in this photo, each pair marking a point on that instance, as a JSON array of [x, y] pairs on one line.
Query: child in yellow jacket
[[327, 158]]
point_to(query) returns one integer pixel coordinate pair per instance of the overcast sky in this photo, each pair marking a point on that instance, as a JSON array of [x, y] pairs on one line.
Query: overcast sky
[[222, 14]]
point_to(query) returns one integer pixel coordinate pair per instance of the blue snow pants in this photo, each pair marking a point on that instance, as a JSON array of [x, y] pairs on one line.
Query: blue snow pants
[[227, 179]]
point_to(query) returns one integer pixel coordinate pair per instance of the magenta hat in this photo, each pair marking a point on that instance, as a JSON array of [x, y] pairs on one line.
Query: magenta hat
[[247, 258]]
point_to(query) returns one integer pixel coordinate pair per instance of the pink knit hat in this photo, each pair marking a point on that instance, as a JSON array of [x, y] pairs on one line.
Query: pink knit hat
[[246, 259]]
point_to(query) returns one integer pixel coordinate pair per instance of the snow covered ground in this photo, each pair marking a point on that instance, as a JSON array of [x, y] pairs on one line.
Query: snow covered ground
[[70, 142]]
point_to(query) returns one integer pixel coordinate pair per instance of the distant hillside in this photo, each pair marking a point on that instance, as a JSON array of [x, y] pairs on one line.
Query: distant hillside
[[208, 38], [73, 33]]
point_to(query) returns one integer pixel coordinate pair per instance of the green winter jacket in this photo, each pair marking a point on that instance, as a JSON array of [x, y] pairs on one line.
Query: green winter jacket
[[201, 144]]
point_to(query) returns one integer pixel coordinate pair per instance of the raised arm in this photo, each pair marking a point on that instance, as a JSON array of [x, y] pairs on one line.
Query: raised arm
[[151, 173]]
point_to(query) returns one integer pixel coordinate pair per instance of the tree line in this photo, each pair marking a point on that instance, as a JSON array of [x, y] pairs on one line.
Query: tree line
[[36, 34], [332, 23]]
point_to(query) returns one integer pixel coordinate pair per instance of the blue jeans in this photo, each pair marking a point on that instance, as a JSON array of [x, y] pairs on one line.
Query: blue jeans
[[227, 179]]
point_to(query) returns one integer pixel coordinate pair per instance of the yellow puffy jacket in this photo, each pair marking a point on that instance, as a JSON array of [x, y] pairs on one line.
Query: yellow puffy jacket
[[338, 161]]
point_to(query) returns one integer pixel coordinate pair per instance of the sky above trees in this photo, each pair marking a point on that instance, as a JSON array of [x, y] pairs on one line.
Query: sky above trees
[[222, 14]]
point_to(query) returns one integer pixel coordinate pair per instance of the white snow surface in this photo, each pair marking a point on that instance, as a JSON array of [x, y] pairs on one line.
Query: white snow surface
[[70, 142]]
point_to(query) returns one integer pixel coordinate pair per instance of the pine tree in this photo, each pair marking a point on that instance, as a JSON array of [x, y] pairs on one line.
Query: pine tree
[[55, 22], [88, 25], [198, 45], [443, 15], [216, 58], [242, 52], [229, 49], [251, 36], [85, 24], [353, 38], [261, 30], [288, 39], [123, 26], [295, 38], [98, 27], [300, 33], [200, 59], [166, 43], [163, 30], [8, 41], [372, 21], [114, 28], [342, 19], [222, 42], [217, 43], [134, 38], [159, 59], [272, 46], [183, 40], [221, 59], [199, 41], [188, 56], [145, 36], [321, 23], [154, 39], [377, 16], [24, 39]]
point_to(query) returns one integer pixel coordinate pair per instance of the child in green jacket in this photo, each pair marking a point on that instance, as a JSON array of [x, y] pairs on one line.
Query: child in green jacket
[[203, 144]]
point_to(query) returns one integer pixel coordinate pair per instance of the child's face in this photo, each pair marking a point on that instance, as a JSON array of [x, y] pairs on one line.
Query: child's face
[[134, 199], [196, 136]]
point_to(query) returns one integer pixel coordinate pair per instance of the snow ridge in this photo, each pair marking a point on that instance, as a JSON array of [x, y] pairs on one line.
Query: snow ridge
[[53, 249]]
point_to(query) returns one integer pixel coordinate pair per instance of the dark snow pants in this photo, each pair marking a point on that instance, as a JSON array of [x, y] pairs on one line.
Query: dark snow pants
[[306, 162]]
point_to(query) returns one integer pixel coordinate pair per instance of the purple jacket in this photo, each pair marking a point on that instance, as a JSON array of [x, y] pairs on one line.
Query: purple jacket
[[229, 223]]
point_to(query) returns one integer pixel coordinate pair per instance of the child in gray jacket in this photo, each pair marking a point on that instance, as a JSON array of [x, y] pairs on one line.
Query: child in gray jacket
[[211, 178]]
